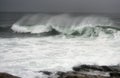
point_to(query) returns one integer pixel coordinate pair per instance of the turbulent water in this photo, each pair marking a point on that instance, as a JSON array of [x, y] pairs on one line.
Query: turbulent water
[[57, 42]]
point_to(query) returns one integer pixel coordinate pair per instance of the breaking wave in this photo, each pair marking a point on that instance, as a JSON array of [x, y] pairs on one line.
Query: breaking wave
[[87, 26]]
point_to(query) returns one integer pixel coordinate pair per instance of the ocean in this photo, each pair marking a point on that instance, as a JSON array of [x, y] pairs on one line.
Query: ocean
[[56, 42]]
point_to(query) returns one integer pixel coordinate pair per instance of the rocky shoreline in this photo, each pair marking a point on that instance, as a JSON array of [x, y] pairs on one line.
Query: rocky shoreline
[[82, 71], [87, 71], [6, 75]]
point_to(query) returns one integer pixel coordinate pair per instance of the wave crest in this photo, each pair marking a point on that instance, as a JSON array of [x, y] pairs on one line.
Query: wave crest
[[66, 24]]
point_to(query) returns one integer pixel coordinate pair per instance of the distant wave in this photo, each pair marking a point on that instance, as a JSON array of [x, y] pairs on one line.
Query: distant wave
[[67, 24]]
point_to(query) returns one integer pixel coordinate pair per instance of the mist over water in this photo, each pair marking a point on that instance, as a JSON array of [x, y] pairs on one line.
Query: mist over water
[[64, 23], [67, 24], [57, 42]]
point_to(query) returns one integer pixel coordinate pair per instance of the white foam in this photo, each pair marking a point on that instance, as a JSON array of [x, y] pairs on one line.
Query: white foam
[[32, 29], [32, 24], [24, 56]]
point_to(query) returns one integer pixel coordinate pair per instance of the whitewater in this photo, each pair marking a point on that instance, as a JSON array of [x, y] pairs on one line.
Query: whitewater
[[58, 42]]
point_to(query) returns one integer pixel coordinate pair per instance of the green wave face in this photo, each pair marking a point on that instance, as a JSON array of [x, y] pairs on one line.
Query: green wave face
[[84, 26]]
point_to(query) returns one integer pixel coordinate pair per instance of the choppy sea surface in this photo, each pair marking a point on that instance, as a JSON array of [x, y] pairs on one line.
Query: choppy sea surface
[[56, 42]]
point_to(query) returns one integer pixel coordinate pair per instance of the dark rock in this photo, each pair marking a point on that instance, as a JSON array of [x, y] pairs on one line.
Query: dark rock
[[97, 68], [115, 74], [60, 74], [71, 76], [111, 68], [106, 68], [87, 68], [76, 68], [80, 75], [6, 75], [84, 71], [46, 72], [115, 68]]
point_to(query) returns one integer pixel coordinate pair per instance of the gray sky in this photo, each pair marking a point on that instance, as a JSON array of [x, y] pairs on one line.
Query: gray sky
[[82, 6]]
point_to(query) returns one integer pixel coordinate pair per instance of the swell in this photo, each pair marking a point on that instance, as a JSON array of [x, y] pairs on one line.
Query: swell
[[86, 26]]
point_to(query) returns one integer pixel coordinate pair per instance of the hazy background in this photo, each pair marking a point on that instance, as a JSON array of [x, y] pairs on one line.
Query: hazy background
[[81, 6]]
